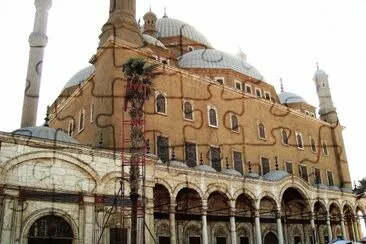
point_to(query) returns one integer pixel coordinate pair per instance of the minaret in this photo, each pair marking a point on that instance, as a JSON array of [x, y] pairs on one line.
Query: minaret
[[37, 42], [327, 111], [122, 23], [150, 24]]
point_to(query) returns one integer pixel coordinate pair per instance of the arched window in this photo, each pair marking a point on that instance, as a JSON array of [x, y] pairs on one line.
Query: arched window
[[312, 145], [261, 131], [160, 104], [325, 148], [284, 137], [299, 141], [188, 111], [234, 123], [212, 117], [49, 228]]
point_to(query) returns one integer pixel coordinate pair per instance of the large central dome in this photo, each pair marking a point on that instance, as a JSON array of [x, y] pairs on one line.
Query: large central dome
[[168, 27]]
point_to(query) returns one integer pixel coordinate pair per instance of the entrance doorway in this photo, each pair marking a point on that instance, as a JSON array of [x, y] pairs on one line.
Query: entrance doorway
[[270, 238], [50, 229]]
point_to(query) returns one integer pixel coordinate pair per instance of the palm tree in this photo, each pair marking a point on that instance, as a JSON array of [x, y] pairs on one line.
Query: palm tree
[[139, 75]]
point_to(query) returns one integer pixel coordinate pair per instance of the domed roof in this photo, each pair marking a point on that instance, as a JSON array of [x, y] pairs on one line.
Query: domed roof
[[275, 175], [153, 41], [45, 132], [168, 27], [214, 59], [178, 164], [80, 77], [253, 175], [289, 97], [320, 186], [205, 167], [232, 172]]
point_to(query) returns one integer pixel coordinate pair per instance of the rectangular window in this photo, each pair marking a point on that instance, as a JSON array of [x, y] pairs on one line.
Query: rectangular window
[[330, 178], [304, 172], [248, 89], [238, 85], [70, 128], [194, 240], [289, 168], [238, 162], [220, 240], [118, 236], [318, 177], [92, 113], [258, 92], [267, 96], [164, 240], [162, 143], [191, 154], [265, 165], [215, 158], [81, 119], [244, 240]]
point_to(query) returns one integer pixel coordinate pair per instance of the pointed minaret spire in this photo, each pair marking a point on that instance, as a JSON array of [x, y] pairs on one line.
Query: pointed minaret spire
[[122, 23], [281, 82], [37, 43], [47, 118]]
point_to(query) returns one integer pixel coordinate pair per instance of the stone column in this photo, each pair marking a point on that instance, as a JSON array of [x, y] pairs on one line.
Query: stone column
[[204, 222], [258, 232], [8, 227], [329, 228], [343, 227], [354, 225], [279, 228], [88, 219], [233, 226], [312, 224], [172, 224]]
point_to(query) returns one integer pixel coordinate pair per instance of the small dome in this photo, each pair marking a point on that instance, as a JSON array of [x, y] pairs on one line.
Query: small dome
[[80, 77], [320, 186], [45, 132], [334, 188], [168, 27], [178, 164], [289, 97], [253, 175], [232, 172], [349, 190], [150, 14], [275, 175], [153, 41], [214, 59], [205, 167]]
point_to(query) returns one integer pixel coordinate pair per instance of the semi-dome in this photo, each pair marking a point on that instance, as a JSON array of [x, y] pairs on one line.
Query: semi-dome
[[167, 27], [205, 167], [80, 76], [176, 163], [45, 132], [289, 97], [232, 172], [275, 175], [153, 41], [214, 59], [253, 175]]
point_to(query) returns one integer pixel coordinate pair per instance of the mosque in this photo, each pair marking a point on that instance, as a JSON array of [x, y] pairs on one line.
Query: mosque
[[227, 159]]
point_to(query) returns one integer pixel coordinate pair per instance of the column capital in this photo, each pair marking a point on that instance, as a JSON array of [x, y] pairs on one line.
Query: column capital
[[172, 207], [256, 213], [278, 214], [232, 212]]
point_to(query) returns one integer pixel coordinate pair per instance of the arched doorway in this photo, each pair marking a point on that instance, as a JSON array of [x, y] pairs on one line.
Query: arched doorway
[[50, 229], [270, 238]]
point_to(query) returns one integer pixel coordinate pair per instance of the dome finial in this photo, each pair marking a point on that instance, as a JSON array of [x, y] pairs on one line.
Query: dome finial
[[150, 8], [165, 15], [317, 66], [47, 118], [281, 81], [241, 54]]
